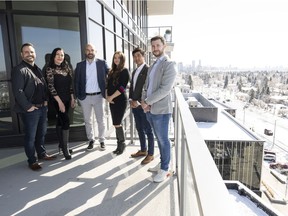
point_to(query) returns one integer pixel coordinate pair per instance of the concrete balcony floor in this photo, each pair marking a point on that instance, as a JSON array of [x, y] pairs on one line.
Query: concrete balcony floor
[[91, 183]]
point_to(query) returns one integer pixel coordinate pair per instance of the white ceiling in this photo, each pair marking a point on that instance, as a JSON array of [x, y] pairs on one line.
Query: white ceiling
[[160, 7]]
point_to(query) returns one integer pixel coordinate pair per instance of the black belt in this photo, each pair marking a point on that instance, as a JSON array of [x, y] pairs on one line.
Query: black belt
[[94, 93], [39, 105]]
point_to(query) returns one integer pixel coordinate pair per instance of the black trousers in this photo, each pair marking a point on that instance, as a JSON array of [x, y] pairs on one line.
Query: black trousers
[[63, 118], [117, 111]]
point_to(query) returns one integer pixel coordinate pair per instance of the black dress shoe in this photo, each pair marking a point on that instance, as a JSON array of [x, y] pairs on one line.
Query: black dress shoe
[[91, 145], [102, 146], [35, 166], [47, 157]]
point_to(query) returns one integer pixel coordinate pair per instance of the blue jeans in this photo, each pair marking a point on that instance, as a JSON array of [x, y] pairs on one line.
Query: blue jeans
[[160, 125], [143, 127], [35, 127]]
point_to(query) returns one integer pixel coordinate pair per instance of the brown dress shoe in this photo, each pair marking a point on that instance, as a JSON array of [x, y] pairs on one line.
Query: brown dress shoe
[[147, 159], [139, 154], [47, 157], [35, 166]]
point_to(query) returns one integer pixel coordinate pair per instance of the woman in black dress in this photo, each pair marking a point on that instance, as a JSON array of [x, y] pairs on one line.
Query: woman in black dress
[[59, 78], [118, 78]]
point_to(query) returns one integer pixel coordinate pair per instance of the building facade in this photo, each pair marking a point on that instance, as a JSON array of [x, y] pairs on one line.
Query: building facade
[[110, 25]]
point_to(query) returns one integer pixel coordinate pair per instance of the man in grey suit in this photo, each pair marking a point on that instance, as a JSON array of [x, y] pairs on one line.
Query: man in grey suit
[[135, 92], [89, 82], [157, 103]]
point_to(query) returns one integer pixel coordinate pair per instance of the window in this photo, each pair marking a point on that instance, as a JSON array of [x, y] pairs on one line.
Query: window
[[54, 6], [118, 9], [110, 46], [95, 11], [119, 44], [5, 110], [47, 33], [96, 37], [2, 5], [109, 20], [119, 30]]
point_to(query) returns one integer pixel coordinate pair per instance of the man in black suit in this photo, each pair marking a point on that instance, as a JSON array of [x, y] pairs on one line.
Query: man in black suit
[[90, 81], [142, 125]]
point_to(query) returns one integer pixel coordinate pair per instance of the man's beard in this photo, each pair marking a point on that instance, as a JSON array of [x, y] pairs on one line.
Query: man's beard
[[90, 56], [157, 53]]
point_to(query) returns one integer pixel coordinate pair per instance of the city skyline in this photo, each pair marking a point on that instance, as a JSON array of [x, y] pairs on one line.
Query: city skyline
[[243, 34]]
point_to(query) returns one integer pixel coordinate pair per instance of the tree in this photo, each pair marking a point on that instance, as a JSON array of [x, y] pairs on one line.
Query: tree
[[252, 95], [226, 82]]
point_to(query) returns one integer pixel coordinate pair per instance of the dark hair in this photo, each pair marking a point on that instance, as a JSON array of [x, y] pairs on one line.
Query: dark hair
[[121, 64], [158, 37], [138, 49], [63, 65], [26, 44], [115, 70]]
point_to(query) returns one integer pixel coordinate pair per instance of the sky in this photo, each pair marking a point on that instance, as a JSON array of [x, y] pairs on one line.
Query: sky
[[222, 33]]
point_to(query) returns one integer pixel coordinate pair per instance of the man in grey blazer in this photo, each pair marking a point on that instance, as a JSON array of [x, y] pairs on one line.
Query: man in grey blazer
[[135, 92], [89, 82], [157, 103]]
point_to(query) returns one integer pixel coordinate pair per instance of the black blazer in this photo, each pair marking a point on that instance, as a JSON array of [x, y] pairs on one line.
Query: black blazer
[[137, 92], [23, 86], [80, 78]]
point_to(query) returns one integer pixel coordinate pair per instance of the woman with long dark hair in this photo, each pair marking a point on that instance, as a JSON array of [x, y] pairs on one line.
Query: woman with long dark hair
[[118, 78], [59, 78]]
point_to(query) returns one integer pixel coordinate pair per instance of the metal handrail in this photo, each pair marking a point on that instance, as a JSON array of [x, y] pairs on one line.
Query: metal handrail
[[201, 188]]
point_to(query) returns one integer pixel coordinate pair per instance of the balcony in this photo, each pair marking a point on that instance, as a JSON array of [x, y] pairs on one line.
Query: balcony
[[100, 183]]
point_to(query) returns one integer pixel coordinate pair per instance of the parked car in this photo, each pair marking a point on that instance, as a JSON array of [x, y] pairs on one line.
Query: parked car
[[268, 132], [270, 157], [267, 151]]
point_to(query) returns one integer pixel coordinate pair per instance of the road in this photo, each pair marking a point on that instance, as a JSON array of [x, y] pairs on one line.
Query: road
[[259, 119]]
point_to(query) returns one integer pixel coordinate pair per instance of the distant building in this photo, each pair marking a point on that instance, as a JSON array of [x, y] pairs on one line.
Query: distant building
[[236, 150]]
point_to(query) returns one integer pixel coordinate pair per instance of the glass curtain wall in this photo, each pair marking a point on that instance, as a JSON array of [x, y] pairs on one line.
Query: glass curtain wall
[[6, 126], [119, 24], [52, 24], [110, 25], [238, 160]]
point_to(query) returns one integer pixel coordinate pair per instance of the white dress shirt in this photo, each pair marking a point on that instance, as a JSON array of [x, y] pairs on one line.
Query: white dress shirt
[[91, 78]]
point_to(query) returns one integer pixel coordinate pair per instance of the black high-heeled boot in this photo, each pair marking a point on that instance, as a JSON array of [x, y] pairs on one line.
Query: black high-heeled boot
[[65, 148], [120, 141], [60, 138]]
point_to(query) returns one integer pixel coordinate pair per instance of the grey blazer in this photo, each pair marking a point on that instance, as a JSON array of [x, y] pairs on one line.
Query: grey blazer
[[163, 81]]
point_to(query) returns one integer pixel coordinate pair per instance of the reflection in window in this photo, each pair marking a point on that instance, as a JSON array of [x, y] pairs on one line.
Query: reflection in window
[[4, 97], [3, 73], [5, 113], [5, 110], [46, 33], [54, 6], [126, 33], [2, 5]]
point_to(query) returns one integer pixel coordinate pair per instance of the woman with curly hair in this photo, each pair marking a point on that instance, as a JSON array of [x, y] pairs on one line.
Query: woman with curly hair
[[59, 78], [118, 78]]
